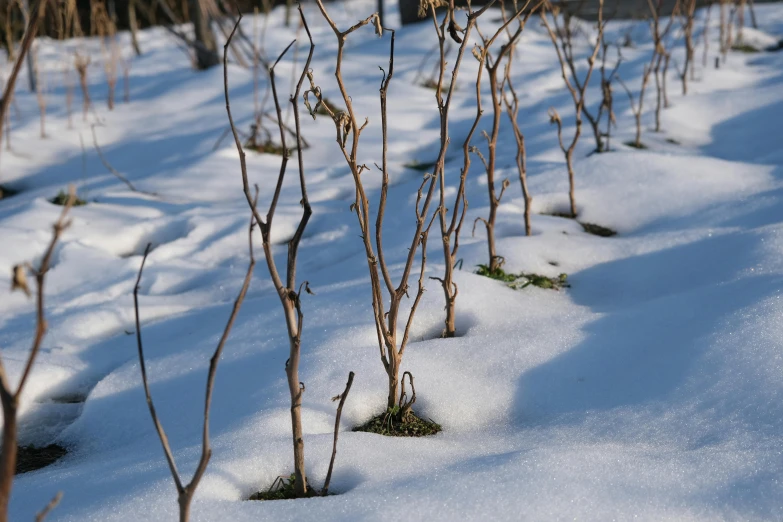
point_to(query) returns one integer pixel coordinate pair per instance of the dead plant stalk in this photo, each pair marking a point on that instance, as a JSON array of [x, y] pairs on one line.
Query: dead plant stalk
[[185, 492], [290, 296], [496, 89], [348, 131], [450, 228], [575, 87], [9, 396]]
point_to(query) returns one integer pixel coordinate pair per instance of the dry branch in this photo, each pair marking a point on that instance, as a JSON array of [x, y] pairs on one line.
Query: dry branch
[[8, 396], [576, 87], [450, 228], [41, 515], [341, 398], [108, 166], [185, 492], [288, 294], [497, 84], [24, 47], [348, 132]]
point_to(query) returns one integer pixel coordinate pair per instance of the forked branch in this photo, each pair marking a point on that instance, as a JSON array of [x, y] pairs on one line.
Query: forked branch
[[185, 492]]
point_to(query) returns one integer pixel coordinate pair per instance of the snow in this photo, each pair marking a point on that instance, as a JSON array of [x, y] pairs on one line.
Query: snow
[[651, 389]]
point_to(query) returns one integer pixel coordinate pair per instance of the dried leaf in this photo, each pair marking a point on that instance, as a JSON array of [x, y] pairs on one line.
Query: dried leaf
[[19, 279]]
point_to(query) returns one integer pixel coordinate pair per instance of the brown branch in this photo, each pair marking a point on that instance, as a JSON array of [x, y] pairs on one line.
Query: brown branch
[[185, 493], [289, 298], [29, 34], [41, 515], [8, 397], [108, 166], [341, 398]]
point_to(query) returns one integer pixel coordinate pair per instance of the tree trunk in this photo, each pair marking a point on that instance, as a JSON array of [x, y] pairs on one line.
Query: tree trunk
[[8, 455], [133, 25], [206, 46], [394, 382], [296, 390], [184, 506], [448, 289], [494, 260], [571, 190]]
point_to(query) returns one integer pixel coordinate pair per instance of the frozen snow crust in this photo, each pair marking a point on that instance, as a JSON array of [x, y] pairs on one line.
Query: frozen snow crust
[[652, 389]]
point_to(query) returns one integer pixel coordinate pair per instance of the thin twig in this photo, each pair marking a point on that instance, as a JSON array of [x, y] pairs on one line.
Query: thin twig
[[109, 167], [41, 515], [342, 398]]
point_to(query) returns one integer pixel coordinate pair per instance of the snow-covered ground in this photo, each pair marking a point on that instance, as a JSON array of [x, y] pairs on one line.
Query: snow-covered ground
[[651, 389]]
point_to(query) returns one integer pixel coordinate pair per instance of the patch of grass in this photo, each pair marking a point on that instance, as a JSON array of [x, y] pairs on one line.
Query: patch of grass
[[6, 192], [598, 230], [497, 274], [590, 228], [31, 458], [640, 146], [523, 280], [62, 198], [282, 489], [565, 215], [548, 283], [421, 167], [392, 425], [70, 398], [744, 48]]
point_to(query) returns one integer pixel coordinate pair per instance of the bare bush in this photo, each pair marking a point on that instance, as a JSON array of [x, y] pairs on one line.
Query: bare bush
[[450, 228], [9, 395], [689, 7], [349, 131], [576, 87], [82, 64], [24, 47], [660, 58], [493, 64], [289, 294], [185, 492]]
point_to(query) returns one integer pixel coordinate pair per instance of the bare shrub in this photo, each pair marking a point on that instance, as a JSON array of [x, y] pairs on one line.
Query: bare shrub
[[450, 227], [110, 49], [289, 294], [349, 131], [9, 396], [185, 492], [660, 58], [40, 91], [24, 47], [576, 87], [82, 64], [497, 83], [689, 7]]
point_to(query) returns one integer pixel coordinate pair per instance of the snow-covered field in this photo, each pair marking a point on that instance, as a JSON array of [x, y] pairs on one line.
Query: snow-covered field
[[652, 389]]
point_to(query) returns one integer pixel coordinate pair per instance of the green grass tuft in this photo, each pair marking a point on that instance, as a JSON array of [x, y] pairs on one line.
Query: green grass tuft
[[523, 280], [744, 48], [597, 230], [281, 489], [497, 274], [6, 192], [31, 458], [62, 198], [390, 424]]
